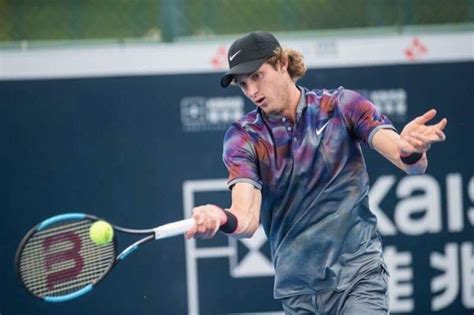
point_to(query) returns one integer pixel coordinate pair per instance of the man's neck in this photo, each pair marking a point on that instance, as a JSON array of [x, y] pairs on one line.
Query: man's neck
[[294, 99]]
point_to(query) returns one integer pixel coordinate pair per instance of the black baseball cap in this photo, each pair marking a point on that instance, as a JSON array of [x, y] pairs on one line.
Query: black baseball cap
[[248, 53]]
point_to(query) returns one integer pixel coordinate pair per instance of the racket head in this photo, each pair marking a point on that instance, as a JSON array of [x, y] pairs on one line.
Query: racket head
[[57, 261]]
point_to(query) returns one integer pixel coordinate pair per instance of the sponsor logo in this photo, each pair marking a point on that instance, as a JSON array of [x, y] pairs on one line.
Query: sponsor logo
[[390, 102], [416, 50], [320, 130], [218, 60], [234, 55], [215, 113]]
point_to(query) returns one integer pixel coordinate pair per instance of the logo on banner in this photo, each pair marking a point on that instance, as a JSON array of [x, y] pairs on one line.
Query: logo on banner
[[326, 49], [219, 60], [416, 50], [390, 102], [215, 113]]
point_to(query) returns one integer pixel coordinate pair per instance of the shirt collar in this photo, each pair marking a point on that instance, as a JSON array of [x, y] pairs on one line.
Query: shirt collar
[[299, 108], [301, 104]]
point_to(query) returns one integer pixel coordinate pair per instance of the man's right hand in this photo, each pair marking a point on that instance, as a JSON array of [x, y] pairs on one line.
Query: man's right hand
[[208, 219]]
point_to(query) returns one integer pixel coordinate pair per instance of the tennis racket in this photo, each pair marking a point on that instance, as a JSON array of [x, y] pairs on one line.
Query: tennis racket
[[57, 261]]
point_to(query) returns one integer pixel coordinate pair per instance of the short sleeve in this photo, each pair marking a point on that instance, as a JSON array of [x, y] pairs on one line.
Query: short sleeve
[[240, 158], [362, 117]]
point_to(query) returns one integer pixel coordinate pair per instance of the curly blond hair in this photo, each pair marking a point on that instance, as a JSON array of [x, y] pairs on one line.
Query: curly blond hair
[[296, 67]]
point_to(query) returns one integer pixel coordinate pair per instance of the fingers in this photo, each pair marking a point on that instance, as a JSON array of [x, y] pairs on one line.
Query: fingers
[[438, 130], [207, 222], [416, 136], [419, 142], [434, 132], [412, 144], [426, 117], [423, 119], [441, 135], [190, 233], [436, 135], [442, 124]]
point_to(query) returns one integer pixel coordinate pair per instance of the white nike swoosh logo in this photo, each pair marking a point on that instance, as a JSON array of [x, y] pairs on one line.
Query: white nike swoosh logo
[[320, 130], [233, 56]]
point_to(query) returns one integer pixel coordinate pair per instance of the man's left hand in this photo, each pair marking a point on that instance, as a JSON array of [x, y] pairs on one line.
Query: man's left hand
[[417, 137]]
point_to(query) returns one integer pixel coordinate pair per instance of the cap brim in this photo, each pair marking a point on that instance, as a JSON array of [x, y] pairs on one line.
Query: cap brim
[[242, 68]]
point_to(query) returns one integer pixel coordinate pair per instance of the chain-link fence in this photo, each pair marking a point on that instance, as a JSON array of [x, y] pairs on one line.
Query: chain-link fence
[[167, 20]]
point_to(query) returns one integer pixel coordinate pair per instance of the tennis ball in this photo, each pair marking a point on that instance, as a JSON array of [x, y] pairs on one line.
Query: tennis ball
[[101, 232]]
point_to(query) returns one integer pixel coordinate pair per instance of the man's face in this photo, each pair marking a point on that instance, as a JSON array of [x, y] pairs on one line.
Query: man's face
[[268, 88]]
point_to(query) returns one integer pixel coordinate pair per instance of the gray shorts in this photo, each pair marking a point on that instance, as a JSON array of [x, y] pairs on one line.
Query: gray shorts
[[368, 295]]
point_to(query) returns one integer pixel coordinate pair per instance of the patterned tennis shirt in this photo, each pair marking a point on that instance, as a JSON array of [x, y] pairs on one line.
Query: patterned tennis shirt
[[314, 187]]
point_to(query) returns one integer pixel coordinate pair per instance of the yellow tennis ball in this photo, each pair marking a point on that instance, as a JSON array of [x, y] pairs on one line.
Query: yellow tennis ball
[[101, 232]]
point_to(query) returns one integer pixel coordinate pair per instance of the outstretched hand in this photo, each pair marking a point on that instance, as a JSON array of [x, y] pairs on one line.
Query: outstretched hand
[[417, 137]]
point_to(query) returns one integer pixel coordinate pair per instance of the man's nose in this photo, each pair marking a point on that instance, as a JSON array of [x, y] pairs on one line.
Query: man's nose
[[252, 91]]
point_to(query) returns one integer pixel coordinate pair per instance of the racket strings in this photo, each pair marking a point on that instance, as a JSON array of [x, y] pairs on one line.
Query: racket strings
[[62, 259], [37, 279]]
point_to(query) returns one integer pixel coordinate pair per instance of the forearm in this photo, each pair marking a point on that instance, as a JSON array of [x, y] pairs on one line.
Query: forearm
[[386, 142], [246, 202], [247, 223]]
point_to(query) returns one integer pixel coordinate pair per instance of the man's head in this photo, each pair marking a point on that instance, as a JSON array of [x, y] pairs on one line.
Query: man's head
[[264, 71], [249, 52]]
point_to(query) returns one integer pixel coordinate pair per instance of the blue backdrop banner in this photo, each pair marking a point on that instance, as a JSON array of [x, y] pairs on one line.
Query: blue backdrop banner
[[142, 151]]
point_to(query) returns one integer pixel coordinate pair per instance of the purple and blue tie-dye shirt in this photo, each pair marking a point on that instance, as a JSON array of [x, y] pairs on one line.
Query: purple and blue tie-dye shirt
[[314, 187]]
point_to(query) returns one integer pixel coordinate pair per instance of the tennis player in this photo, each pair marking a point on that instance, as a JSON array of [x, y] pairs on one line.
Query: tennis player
[[295, 165]]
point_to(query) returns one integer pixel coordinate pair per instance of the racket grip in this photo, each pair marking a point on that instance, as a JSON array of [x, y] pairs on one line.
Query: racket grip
[[231, 223], [173, 229]]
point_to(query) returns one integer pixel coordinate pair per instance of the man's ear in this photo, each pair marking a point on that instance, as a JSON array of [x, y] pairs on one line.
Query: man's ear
[[283, 64]]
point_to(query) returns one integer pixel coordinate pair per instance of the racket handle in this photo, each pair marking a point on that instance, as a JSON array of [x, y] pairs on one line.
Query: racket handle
[[180, 227], [173, 229]]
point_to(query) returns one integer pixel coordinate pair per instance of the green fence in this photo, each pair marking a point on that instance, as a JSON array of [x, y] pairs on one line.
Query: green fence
[[167, 20]]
